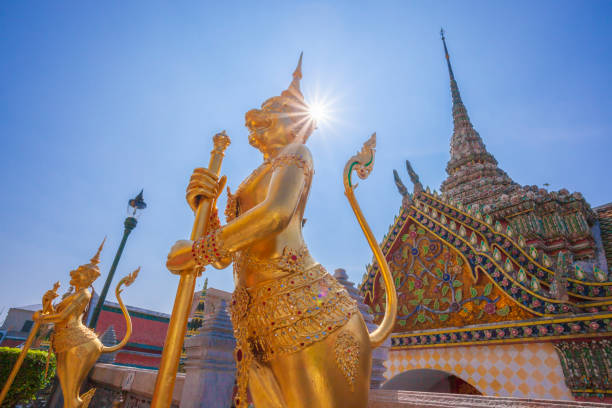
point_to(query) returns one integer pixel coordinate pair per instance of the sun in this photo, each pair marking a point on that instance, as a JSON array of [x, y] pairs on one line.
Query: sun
[[321, 113], [318, 112]]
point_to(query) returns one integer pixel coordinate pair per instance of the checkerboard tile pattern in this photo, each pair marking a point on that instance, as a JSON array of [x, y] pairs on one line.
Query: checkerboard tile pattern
[[530, 370]]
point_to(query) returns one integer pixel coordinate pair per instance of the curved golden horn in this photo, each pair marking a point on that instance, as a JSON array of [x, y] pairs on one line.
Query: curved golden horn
[[362, 163], [128, 280]]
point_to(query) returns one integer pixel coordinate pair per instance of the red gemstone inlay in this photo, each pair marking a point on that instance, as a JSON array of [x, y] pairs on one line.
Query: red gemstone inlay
[[239, 355], [293, 257]]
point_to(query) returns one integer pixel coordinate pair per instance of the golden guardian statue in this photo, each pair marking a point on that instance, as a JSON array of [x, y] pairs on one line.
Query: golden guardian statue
[[301, 341], [76, 347]]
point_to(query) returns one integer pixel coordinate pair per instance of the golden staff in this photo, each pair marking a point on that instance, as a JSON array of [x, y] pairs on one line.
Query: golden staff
[[164, 385]]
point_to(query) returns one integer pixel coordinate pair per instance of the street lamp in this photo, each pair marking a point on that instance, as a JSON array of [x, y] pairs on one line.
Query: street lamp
[[135, 204]]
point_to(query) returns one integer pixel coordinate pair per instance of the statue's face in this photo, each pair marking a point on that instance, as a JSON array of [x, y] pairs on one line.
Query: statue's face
[[81, 277], [269, 131], [272, 127]]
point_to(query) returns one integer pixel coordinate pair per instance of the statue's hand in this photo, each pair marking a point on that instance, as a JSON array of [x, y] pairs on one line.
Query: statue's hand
[[38, 316], [203, 184], [180, 257]]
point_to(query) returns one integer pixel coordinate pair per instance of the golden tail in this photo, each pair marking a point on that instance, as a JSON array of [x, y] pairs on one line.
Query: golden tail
[[362, 163], [86, 398], [128, 280]]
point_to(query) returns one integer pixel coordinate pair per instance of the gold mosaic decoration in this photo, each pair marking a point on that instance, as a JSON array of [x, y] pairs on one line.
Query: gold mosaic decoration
[[347, 356]]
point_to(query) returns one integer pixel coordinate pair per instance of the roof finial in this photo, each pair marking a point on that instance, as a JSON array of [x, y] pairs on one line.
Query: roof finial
[[450, 69], [96, 258]]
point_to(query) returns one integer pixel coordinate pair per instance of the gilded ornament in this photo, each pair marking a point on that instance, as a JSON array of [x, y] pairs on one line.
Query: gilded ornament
[[347, 356]]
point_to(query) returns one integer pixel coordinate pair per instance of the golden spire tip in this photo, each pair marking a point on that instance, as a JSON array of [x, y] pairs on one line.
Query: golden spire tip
[[96, 258], [298, 70]]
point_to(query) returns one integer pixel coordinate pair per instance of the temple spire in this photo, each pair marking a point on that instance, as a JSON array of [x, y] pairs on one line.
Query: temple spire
[[471, 167], [460, 115]]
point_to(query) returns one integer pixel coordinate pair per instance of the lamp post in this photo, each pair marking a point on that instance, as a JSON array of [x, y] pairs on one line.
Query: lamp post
[[136, 203]]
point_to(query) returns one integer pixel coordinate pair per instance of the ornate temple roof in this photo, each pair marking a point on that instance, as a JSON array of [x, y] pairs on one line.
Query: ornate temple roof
[[489, 260], [604, 214], [463, 279]]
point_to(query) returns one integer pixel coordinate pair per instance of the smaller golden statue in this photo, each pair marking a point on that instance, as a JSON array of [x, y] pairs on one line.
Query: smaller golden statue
[[76, 347]]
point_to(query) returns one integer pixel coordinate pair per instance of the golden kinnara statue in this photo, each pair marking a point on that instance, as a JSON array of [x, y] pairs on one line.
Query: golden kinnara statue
[[301, 341], [77, 347]]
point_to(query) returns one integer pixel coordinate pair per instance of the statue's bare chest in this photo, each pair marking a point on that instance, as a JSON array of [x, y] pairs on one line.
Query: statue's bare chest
[[251, 192]]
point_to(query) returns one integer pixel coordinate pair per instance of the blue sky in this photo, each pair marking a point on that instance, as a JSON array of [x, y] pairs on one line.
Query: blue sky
[[100, 100]]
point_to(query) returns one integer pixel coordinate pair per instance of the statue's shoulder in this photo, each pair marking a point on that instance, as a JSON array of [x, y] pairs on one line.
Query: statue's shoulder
[[299, 150]]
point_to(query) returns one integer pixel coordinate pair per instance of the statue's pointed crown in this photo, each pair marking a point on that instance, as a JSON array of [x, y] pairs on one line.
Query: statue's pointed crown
[[92, 266], [294, 87], [95, 260], [290, 103], [291, 99]]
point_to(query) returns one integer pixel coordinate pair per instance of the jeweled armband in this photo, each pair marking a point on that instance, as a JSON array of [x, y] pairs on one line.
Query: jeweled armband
[[292, 159], [214, 223], [209, 249]]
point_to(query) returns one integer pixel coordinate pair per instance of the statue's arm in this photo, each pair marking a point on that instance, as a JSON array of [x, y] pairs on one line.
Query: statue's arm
[[72, 308], [272, 215]]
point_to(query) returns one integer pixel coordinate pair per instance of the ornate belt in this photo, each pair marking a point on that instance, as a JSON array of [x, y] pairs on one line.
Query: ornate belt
[[286, 315]]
